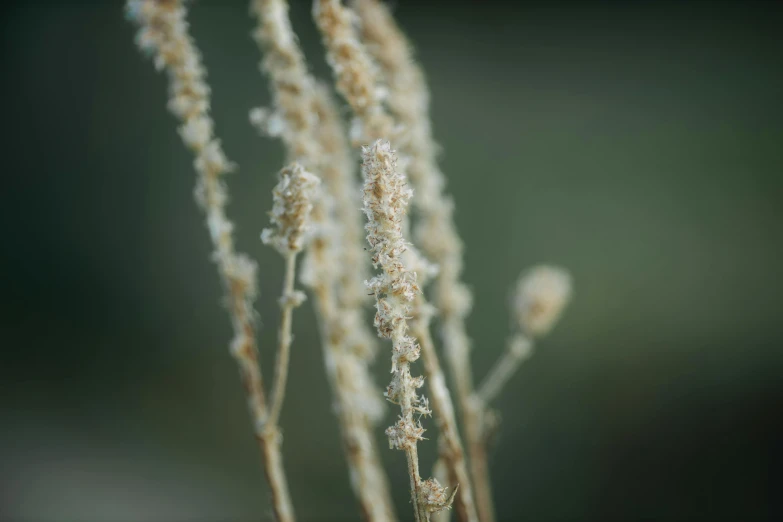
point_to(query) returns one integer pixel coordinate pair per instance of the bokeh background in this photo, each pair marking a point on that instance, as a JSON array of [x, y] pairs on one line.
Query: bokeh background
[[636, 143]]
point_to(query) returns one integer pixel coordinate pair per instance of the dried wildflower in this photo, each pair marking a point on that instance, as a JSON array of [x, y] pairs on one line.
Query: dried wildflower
[[293, 197], [163, 35], [304, 117], [540, 297], [386, 196], [390, 101]]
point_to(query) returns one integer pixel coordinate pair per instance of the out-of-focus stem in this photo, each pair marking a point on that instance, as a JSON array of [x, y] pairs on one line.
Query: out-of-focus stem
[[284, 346], [163, 32], [517, 350], [275, 475], [444, 415], [435, 231], [313, 135], [479, 464]]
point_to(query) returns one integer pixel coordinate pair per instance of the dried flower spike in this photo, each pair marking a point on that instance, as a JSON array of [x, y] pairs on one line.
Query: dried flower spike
[[386, 197], [292, 204]]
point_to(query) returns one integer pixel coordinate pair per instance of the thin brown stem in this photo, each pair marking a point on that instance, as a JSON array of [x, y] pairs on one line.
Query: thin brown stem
[[269, 441], [446, 419], [456, 340], [419, 510], [517, 350], [284, 346], [479, 464]]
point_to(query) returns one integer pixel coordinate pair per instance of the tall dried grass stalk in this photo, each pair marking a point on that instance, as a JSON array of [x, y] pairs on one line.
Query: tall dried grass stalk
[[395, 288], [305, 118], [360, 83], [540, 297], [376, 74], [407, 97], [290, 215], [163, 33], [359, 406], [435, 232]]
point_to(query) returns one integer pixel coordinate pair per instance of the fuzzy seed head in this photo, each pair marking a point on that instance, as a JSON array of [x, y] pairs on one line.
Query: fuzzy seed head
[[540, 297], [293, 202]]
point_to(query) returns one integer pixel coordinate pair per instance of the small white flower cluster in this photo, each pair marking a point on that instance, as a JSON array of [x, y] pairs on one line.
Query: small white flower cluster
[[540, 297], [293, 202], [386, 197]]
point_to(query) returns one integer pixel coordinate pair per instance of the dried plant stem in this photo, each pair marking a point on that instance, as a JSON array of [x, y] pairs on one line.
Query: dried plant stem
[[357, 79], [275, 475], [164, 34], [367, 476], [435, 231], [479, 463], [340, 267], [284, 347], [540, 297], [444, 415], [419, 510], [386, 199], [304, 117], [517, 350], [290, 216]]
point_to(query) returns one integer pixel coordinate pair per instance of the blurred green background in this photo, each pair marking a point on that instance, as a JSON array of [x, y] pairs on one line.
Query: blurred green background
[[636, 143]]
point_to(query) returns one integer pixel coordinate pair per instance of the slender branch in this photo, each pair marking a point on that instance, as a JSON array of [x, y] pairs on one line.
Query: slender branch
[[287, 303], [541, 294], [270, 441], [518, 349], [290, 217], [479, 463]]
